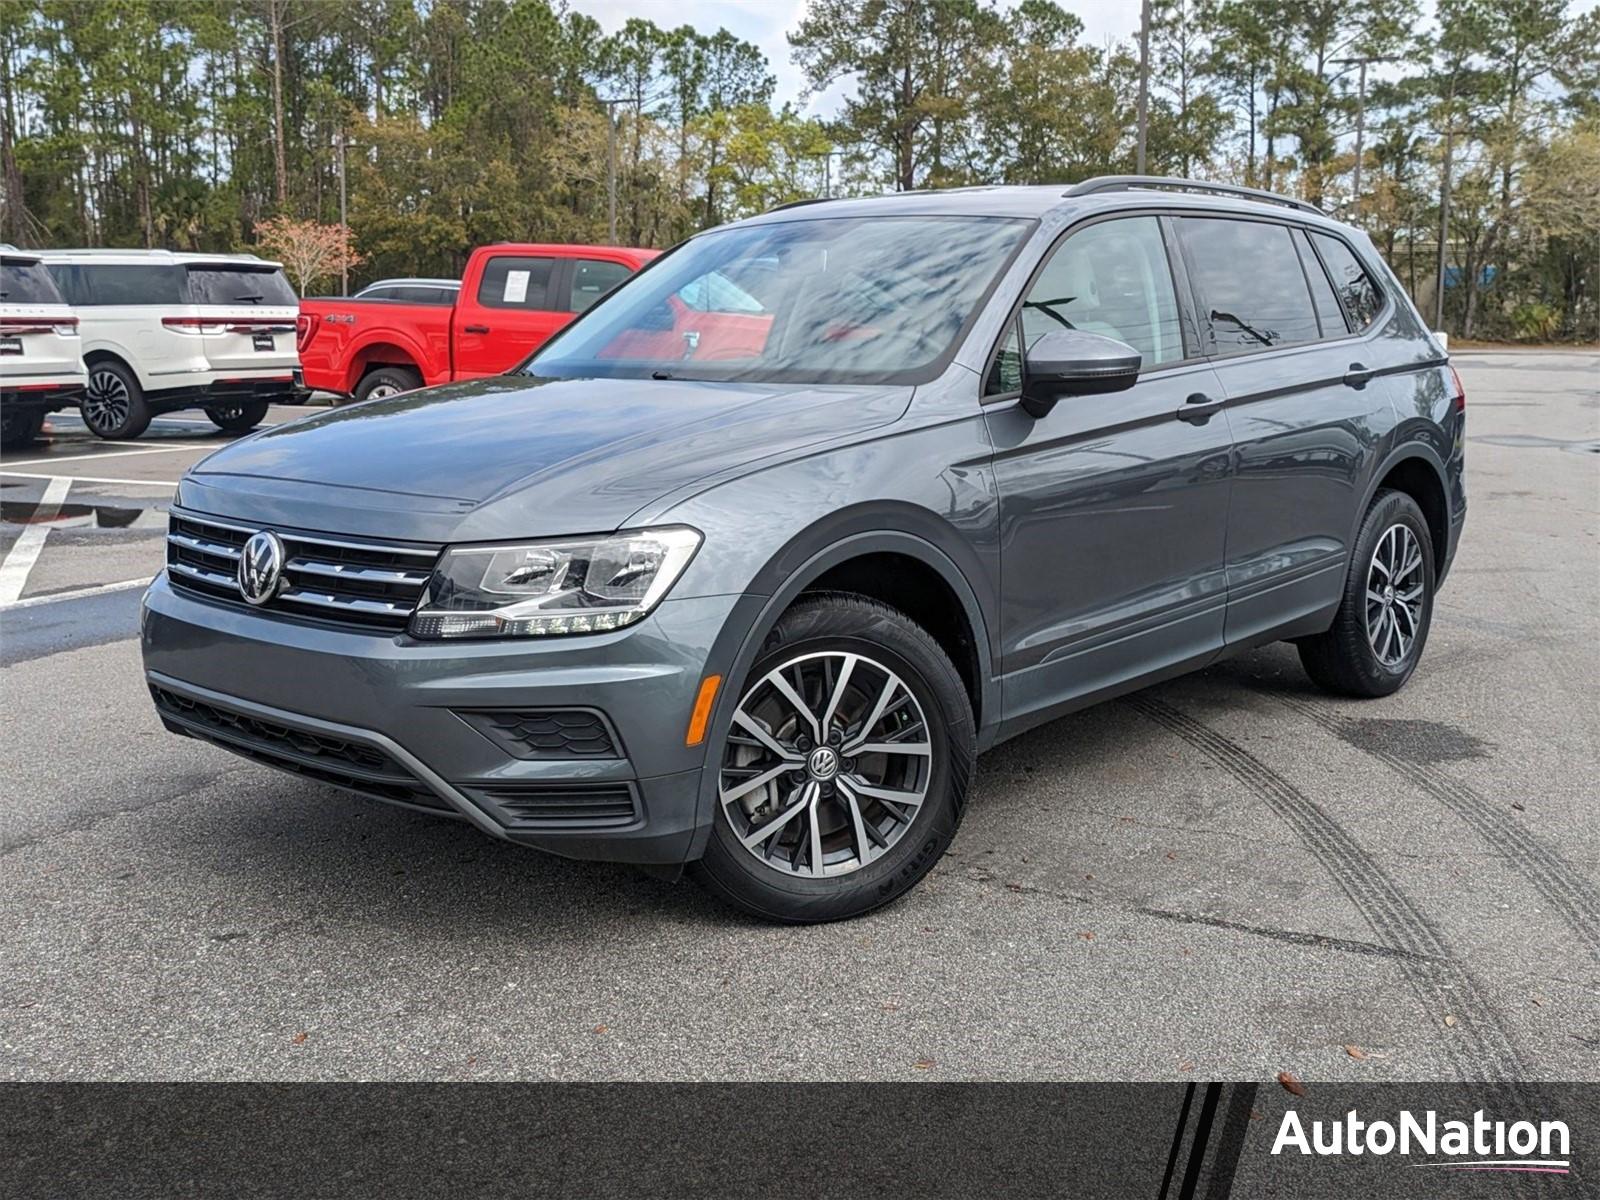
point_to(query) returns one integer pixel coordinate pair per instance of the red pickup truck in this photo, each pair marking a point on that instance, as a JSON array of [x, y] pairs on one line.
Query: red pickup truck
[[513, 297]]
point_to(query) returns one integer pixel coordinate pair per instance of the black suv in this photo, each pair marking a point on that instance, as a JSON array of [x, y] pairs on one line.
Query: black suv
[[746, 566]]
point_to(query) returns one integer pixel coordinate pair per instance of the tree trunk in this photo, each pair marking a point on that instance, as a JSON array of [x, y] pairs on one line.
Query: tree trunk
[[280, 161], [13, 213], [906, 134]]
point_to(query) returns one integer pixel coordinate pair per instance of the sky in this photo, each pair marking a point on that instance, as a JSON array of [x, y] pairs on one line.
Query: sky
[[766, 22]]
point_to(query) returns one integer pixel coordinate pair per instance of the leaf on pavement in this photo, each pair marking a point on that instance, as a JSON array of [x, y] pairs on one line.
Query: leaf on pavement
[[299, 1039], [1355, 1052], [1290, 1084], [924, 1064]]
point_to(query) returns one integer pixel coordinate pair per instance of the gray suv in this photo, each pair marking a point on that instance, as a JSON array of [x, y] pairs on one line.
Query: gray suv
[[746, 566]]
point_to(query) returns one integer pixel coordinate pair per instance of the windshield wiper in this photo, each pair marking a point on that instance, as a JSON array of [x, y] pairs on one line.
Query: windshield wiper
[[662, 375], [248, 298]]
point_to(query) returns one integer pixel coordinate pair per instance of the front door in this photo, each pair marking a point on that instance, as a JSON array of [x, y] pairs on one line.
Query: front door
[[1113, 508]]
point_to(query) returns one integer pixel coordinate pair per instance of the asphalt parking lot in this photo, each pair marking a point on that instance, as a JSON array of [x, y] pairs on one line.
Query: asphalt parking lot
[[1222, 877]]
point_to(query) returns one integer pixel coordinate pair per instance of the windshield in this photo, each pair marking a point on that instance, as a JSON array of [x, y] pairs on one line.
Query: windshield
[[851, 300], [25, 281], [239, 285]]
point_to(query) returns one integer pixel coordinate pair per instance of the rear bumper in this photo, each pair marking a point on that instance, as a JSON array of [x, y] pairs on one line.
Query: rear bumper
[[35, 395], [298, 695], [276, 386]]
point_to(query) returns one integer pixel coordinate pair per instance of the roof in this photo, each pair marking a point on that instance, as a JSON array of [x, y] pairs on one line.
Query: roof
[[1037, 200], [133, 255]]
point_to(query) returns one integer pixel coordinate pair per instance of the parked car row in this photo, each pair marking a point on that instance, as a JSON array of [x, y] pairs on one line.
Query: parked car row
[[126, 335]]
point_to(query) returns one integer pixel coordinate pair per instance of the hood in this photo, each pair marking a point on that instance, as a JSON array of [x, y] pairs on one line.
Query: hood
[[513, 456]]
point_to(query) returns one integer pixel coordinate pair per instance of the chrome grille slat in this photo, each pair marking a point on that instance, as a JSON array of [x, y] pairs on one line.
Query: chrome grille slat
[[368, 586], [365, 574]]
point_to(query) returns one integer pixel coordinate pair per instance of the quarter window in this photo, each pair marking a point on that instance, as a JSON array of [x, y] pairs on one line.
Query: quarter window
[[85, 285], [514, 282], [1251, 287], [1355, 286], [1328, 311], [1112, 278]]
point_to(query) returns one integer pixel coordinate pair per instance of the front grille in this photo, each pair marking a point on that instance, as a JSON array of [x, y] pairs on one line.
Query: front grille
[[593, 805], [355, 766], [545, 733], [363, 585]]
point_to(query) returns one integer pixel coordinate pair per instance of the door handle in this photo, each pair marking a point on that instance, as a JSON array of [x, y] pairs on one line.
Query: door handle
[[1358, 375], [1199, 408], [474, 329]]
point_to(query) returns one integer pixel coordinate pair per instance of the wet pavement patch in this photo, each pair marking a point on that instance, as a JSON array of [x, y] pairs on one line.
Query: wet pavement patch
[[1425, 742], [77, 516], [1525, 441]]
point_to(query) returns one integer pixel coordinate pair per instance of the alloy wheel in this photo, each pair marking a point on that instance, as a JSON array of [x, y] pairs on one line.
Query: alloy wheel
[[1395, 593], [106, 402], [383, 390], [827, 764]]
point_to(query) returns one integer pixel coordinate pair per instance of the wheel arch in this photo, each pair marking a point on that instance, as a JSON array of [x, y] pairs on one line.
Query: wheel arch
[[1415, 469], [384, 351]]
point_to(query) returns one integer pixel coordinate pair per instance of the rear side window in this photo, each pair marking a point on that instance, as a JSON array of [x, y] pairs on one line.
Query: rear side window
[[24, 282], [1328, 310], [1251, 287], [593, 278], [1360, 294], [516, 282], [417, 294], [87, 285], [239, 285]]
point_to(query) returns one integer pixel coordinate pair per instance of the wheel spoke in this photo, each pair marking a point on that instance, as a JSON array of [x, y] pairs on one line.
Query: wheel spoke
[[922, 749], [763, 832], [786, 690], [750, 785], [864, 850], [872, 791], [816, 828], [839, 685], [891, 684], [754, 728]]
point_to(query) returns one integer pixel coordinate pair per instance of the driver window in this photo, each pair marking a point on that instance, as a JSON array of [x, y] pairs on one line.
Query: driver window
[[1112, 278]]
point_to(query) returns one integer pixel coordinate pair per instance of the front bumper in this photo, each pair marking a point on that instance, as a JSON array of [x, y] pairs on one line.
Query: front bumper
[[401, 719]]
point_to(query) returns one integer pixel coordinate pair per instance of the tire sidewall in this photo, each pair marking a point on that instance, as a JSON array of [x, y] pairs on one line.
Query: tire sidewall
[[20, 427], [403, 378], [251, 414], [938, 689]]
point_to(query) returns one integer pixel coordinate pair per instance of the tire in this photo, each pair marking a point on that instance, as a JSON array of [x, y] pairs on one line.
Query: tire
[[387, 381], [113, 404], [899, 687], [238, 418], [20, 427], [1348, 660]]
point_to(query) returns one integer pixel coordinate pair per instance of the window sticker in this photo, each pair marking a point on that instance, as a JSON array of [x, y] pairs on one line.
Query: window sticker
[[516, 287]]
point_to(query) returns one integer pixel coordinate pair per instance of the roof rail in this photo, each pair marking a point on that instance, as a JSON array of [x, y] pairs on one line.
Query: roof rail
[[800, 203], [1125, 183]]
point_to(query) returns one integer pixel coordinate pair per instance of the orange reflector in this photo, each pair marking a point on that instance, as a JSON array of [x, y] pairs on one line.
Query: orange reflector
[[701, 717]]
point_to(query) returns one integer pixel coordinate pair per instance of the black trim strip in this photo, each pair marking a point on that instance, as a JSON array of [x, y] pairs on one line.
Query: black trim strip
[[1202, 1137], [1177, 1140]]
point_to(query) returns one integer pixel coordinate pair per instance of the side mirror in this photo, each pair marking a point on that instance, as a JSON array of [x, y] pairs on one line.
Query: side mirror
[[1073, 362]]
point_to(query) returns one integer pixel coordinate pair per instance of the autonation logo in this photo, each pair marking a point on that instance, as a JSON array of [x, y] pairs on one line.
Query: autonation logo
[[1478, 1145]]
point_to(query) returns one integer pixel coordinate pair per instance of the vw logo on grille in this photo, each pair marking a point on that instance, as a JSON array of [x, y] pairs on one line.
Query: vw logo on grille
[[260, 567]]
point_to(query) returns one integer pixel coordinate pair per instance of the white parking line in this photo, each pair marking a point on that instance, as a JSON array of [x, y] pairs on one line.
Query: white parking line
[[45, 462], [171, 483], [25, 550], [76, 594]]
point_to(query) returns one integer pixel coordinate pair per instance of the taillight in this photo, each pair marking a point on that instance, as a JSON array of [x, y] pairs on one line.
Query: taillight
[[61, 326], [1461, 392], [303, 329]]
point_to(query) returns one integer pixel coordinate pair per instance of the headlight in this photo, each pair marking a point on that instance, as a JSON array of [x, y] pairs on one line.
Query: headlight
[[580, 586]]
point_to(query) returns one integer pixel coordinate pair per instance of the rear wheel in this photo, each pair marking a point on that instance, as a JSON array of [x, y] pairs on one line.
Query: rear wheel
[[387, 381], [20, 427], [238, 418], [113, 403], [843, 776], [1376, 639]]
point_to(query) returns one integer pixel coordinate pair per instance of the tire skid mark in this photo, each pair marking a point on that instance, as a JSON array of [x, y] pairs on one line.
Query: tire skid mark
[[1562, 886], [1478, 1047]]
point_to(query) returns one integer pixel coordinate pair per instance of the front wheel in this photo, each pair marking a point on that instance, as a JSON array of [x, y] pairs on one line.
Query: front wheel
[[842, 778], [238, 418], [1377, 637]]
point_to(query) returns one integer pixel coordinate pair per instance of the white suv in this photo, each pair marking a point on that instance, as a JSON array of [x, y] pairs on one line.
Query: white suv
[[164, 330], [41, 359]]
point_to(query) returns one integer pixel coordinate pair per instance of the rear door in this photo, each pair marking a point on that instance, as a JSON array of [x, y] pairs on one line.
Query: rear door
[[1113, 508], [1306, 429], [507, 313]]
